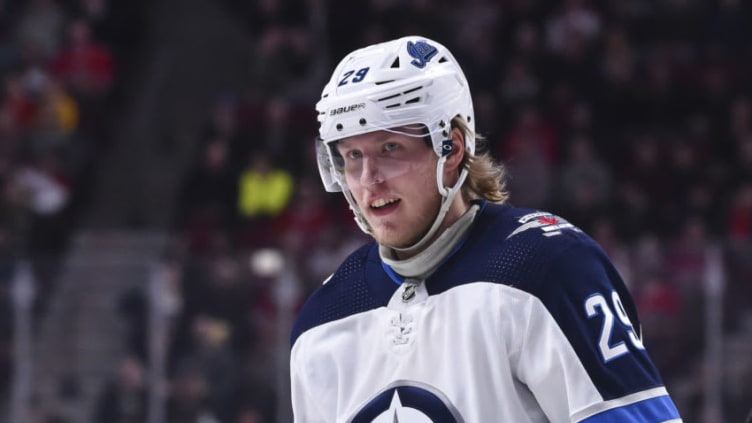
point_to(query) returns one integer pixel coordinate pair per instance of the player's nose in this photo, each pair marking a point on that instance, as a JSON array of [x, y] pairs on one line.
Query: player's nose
[[371, 173]]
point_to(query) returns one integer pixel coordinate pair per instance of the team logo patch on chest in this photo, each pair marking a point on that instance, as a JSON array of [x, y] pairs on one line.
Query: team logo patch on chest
[[547, 223], [408, 402]]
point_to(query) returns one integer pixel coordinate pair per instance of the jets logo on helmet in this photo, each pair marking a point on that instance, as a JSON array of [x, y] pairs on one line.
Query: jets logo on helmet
[[422, 52]]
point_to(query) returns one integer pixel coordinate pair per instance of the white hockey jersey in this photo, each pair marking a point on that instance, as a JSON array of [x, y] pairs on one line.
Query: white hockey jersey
[[527, 321]]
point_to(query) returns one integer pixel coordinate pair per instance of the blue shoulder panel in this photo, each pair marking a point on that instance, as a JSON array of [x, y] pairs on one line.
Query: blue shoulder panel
[[360, 284], [554, 261]]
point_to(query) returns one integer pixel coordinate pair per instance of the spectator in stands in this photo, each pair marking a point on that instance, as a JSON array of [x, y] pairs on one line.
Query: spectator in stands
[[87, 69], [55, 124], [686, 260], [227, 295], [282, 57], [38, 29], [256, 396], [211, 354], [46, 192], [224, 123], [686, 263], [58, 110], [530, 149], [205, 199], [659, 303], [188, 395], [124, 398], [584, 184], [519, 85], [645, 173], [742, 169], [307, 216], [17, 104], [278, 129], [83, 64], [739, 219], [264, 192]]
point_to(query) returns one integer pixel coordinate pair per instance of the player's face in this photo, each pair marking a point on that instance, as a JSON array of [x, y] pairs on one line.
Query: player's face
[[392, 177]]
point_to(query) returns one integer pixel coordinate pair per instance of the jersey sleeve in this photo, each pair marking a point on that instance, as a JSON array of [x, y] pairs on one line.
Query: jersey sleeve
[[582, 349]]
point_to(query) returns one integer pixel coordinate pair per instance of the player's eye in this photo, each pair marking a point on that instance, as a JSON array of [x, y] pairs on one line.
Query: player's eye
[[391, 146], [354, 154]]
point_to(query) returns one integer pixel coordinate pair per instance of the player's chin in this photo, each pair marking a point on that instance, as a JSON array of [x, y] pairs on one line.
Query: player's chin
[[397, 239], [387, 236]]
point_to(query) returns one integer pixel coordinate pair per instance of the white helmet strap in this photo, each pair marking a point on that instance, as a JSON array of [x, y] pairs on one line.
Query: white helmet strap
[[447, 198], [359, 219]]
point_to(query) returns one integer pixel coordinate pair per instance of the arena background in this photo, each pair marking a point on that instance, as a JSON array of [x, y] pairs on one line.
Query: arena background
[[161, 217]]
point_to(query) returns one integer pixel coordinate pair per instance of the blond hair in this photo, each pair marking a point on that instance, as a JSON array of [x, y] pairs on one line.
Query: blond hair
[[486, 177]]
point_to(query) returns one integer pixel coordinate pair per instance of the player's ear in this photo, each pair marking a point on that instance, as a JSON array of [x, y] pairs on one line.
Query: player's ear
[[454, 158]]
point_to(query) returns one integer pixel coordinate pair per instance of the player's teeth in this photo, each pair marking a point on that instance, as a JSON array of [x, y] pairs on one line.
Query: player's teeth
[[381, 203]]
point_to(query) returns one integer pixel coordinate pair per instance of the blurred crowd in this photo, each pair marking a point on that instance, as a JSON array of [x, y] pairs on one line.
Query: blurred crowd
[[59, 74], [631, 119]]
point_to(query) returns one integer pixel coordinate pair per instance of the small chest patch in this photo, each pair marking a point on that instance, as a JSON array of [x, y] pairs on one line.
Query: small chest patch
[[547, 223]]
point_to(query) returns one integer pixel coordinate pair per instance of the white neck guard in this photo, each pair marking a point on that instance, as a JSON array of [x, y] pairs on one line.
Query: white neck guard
[[421, 265]]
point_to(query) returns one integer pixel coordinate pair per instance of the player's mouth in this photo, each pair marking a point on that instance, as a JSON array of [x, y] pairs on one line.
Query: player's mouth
[[383, 206]]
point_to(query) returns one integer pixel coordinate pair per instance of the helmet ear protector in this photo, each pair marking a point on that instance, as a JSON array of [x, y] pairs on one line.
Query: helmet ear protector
[[446, 147]]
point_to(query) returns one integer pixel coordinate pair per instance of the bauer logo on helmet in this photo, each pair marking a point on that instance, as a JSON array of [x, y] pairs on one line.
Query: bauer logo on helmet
[[345, 109]]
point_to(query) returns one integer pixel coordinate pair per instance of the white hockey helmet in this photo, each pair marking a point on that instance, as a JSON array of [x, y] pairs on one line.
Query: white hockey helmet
[[407, 81], [411, 80]]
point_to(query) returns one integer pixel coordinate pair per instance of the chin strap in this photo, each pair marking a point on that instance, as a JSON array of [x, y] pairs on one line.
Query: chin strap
[[359, 219]]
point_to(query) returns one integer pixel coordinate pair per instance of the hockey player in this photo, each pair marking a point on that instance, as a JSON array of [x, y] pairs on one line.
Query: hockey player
[[464, 309]]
